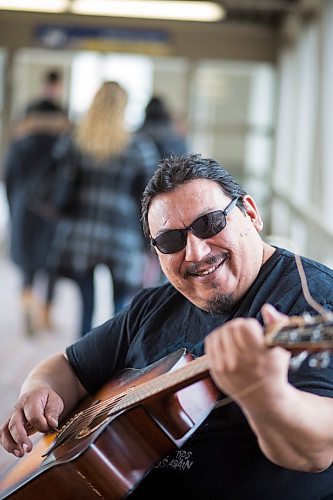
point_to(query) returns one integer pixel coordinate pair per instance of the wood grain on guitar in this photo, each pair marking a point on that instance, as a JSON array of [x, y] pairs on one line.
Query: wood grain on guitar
[[106, 448], [111, 442]]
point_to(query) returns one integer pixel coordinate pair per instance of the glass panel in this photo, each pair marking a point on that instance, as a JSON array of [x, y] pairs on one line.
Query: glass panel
[[232, 119]]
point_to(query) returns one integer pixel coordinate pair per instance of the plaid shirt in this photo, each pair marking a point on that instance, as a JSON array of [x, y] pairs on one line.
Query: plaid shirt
[[103, 225]]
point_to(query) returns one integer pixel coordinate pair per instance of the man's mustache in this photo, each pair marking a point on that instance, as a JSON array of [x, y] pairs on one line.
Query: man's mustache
[[195, 268]]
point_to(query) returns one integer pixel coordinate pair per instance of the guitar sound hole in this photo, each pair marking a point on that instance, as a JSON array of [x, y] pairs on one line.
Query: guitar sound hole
[[97, 422]]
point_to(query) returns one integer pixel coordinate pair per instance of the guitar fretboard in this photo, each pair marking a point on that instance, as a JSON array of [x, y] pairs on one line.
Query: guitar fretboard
[[170, 381], [314, 334]]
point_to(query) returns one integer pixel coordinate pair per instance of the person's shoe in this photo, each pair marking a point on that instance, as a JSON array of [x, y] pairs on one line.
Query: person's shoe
[[28, 324], [27, 301], [44, 317]]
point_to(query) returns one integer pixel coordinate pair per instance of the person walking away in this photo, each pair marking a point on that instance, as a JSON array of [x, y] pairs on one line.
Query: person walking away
[[160, 127], [158, 124], [49, 101], [103, 224], [28, 163]]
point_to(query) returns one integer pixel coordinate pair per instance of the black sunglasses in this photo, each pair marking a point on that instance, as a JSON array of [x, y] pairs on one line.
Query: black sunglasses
[[203, 227]]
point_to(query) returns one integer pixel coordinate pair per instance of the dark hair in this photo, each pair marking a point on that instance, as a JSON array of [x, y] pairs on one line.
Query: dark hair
[[52, 76], [175, 171], [156, 110]]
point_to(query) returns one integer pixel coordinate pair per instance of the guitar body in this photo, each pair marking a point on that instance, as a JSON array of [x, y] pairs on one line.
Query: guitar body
[[113, 440], [109, 456]]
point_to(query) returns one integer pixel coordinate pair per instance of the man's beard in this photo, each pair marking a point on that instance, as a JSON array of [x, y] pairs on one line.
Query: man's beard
[[220, 304]]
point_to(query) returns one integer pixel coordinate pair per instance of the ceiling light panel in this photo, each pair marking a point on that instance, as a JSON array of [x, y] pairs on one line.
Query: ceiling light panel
[[173, 10], [51, 6]]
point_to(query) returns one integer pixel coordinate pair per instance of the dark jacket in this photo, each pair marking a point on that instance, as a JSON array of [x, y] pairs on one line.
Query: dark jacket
[[28, 159], [166, 139], [103, 224]]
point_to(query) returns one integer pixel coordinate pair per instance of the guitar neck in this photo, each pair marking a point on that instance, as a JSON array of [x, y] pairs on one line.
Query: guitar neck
[[166, 383], [307, 333], [295, 334]]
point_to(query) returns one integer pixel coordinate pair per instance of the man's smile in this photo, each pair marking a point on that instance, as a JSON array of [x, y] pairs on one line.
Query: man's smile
[[215, 263]]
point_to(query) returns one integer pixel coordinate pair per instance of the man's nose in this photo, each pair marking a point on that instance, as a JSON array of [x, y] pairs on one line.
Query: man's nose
[[196, 248]]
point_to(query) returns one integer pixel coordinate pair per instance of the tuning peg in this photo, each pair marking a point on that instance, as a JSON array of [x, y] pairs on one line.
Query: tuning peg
[[320, 360], [308, 319], [296, 361]]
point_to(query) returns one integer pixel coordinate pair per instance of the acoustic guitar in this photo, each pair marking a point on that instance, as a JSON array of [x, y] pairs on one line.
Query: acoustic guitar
[[112, 441]]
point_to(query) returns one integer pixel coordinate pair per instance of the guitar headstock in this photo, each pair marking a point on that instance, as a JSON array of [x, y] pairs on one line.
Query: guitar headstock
[[303, 333]]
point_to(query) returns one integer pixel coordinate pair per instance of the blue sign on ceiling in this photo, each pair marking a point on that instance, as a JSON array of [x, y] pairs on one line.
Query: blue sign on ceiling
[[102, 38]]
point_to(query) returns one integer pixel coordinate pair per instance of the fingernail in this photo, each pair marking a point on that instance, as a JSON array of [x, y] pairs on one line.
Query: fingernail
[[17, 453]]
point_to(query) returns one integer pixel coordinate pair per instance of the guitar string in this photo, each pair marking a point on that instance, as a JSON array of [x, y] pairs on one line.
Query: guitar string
[[109, 405], [125, 400], [152, 386]]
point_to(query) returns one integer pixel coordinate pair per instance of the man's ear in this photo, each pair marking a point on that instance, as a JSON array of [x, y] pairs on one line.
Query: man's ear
[[252, 212]]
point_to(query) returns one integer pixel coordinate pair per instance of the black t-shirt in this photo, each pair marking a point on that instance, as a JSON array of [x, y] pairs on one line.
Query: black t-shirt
[[222, 459]]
